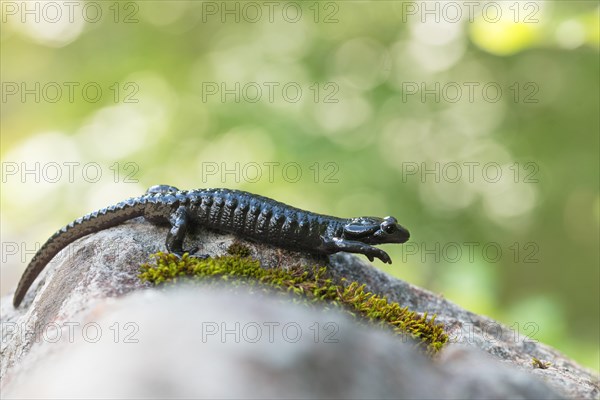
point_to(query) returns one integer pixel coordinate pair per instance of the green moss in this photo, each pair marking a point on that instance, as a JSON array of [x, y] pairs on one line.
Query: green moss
[[238, 249], [540, 364], [311, 285]]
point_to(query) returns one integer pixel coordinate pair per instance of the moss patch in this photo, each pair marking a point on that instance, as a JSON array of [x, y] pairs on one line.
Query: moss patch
[[313, 285], [238, 249], [540, 364]]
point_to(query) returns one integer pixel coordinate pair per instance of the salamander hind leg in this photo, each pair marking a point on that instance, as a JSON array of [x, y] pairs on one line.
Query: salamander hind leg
[[180, 223], [154, 213]]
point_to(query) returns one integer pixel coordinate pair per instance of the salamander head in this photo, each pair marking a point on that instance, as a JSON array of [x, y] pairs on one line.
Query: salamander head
[[375, 230]]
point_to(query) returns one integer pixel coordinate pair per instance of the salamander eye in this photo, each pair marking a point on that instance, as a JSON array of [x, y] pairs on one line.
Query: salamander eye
[[388, 228]]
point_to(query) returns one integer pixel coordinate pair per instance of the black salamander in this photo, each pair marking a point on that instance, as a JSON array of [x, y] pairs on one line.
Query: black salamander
[[241, 213]]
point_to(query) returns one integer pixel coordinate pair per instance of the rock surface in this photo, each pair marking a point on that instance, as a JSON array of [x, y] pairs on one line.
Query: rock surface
[[77, 336]]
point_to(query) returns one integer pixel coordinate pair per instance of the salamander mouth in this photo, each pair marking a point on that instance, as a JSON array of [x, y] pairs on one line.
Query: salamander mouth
[[404, 234], [400, 235]]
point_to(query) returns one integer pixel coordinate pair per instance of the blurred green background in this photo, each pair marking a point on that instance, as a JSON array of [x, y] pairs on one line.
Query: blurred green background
[[362, 98]]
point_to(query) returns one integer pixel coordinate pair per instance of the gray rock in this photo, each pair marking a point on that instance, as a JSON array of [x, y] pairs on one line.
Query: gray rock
[[219, 345], [472, 330], [78, 335]]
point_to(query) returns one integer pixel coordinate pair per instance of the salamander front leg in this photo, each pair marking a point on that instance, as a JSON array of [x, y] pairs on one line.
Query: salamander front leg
[[179, 225], [333, 245]]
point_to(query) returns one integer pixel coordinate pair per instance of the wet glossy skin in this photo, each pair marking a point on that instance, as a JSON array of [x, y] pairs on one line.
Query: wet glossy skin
[[241, 213]]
